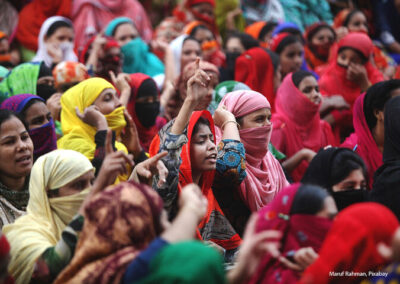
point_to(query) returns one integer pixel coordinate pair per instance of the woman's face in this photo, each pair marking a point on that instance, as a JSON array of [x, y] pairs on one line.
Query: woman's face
[[190, 51], [358, 23], [354, 181], [347, 56], [77, 185], [107, 101], [277, 78], [16, 149], [125, 33], [258, 118], [322, 37], [329, 210], [291, 58], [203, 35], [37, 115], [203, 152], [234, 45], [205, 9], [309, 87], [62, 34]]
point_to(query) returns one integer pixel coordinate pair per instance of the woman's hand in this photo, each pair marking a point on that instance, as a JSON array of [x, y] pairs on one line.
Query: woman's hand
[[93, 117], [222, 115], [121, 81], [114, 164], [197, 88], [144, 171], [358, 74], [55, 52], [130, 137], [303, 258], [193, 200], [54, 105]]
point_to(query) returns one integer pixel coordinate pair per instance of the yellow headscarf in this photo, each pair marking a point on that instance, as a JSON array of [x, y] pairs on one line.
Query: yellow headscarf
[[78, 135], [42, 226]]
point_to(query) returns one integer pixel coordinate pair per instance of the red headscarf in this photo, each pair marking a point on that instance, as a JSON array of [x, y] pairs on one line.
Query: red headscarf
[[298, 124], [145, 134], [363, 141], [351, 244], [34, 14], [255, 69], [298, 231], [206, 181]]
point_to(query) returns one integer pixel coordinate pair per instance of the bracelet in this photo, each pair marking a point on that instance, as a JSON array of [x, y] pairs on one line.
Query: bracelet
[[233, 121]]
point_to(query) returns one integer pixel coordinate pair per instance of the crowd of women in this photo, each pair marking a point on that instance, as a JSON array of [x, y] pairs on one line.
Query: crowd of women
[[203, 141]]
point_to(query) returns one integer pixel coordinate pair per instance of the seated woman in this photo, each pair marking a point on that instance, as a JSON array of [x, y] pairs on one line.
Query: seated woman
[[386, 179], [319, 39], [193, 157], [265, 177], [28, 78], [368, 120], [56, 42], [16, 150], [349, 74], [43, 241], [87, 110], [137, 56], [298, 128], [342, 172], [303, 214], [35, 114], [352, 245]]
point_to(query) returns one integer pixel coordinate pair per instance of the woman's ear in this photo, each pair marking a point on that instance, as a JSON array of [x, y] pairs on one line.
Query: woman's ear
[[379, 115]]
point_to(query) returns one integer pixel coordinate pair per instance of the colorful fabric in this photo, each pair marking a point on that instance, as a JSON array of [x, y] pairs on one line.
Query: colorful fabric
[[146, 134], [20, 80], [90, 17], [262, 10], [34, 14], [363, 142], [222, 8], [44, 138], [112, 243], [78, 135], [168, 265], [12, 203], [351, 244], [68, 72], [46, 217], [3, 72], [42, 55], [255, 69], [298, 231], [298, 124], [265, 177], [222, 89], [255, 29]]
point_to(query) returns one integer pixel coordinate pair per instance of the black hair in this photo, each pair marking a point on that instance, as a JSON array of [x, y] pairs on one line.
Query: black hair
[[190, 38], [122, 23], [22, 113], [56, 25], [197, 28], [359, 53], [309, 199], [274, 58], [343, 164], [65, 86], [290, 39], [246, 40], [298, 76], [350, 15], [376, 98], [268, 27], [44, 70], [6, 115], [200, 121], [313, 32]]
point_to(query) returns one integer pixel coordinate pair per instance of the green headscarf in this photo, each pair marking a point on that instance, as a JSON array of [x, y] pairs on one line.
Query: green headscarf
[[20, 80], [3, 71], [222, 89], [186, 262]]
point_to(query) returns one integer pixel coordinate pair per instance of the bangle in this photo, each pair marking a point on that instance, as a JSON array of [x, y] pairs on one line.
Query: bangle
[[233, 121]]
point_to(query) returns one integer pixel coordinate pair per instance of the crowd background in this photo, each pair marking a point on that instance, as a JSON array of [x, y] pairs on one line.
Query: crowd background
[[199, 141]]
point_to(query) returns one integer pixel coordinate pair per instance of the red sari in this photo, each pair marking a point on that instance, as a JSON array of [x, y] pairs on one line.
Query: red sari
[[297, 125], [206, 181], [334, 81]]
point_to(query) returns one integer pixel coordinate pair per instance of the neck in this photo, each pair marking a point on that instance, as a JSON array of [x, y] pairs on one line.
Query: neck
[[196, 175], [379, 141], [16, 184]]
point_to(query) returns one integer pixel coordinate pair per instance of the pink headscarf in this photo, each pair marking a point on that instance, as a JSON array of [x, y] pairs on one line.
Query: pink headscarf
[[362, 138], [298, 124], [265, 177]]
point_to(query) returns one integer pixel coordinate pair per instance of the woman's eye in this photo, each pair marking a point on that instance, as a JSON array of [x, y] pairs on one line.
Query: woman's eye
[[24, 137]]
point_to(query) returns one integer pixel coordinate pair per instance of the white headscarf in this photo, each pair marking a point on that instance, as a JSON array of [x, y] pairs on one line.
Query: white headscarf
[[68, 49], [176, 47]]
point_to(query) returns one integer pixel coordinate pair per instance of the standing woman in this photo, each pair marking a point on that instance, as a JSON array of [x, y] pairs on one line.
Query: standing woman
[[16, 151], [297, 124], [56, 42]]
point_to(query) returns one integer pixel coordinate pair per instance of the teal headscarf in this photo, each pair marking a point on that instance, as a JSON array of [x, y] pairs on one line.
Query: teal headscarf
[[222, 89], [20, 80], [189, 262], [137, 56], [3, 71]]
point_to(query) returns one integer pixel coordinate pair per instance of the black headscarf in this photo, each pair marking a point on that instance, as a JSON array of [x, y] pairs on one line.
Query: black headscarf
[[391, 146]]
